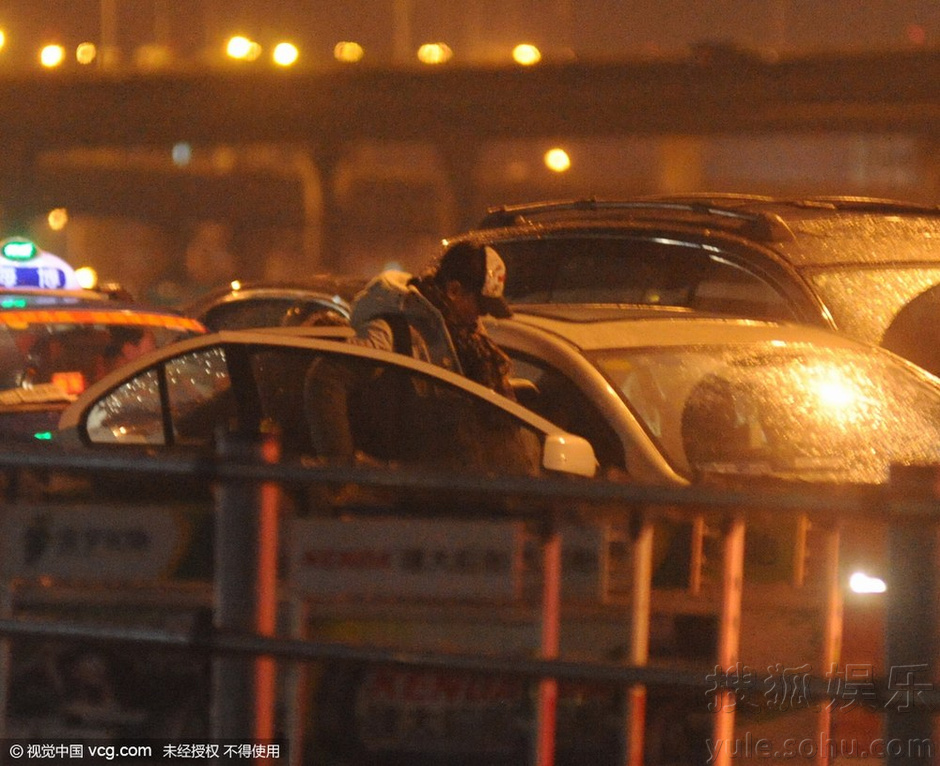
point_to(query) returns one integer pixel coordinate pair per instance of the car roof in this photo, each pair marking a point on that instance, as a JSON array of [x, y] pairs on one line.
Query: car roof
[[20, 307], [594, 328], [337, 289], [807, 232]]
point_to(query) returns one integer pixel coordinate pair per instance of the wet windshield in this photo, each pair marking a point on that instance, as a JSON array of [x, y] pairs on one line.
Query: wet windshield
[[785, 410], [885, 292]]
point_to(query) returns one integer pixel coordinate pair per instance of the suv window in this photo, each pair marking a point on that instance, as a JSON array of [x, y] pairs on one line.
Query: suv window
[[607, 269]]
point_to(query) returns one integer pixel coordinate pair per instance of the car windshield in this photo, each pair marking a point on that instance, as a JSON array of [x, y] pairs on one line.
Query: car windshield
[[886, 291], [53, 355], [791, 411]]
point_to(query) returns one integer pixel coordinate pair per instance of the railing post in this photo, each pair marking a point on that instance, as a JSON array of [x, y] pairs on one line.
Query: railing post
[[635, 713], [911, 616], [729, 636], [547, 704], [832, 630], [245, 592]]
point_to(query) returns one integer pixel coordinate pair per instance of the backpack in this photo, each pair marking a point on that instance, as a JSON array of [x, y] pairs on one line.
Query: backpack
[[383, 298]]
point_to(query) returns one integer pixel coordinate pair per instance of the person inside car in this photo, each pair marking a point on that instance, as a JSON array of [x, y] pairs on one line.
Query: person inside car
[[125, 345]]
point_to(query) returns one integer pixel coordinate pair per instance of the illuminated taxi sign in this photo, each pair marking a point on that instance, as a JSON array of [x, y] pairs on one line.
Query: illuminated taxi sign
[[22, 264], [18, 249]]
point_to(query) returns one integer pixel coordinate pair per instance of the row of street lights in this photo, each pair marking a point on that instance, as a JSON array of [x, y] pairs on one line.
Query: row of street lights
[[242, 48]]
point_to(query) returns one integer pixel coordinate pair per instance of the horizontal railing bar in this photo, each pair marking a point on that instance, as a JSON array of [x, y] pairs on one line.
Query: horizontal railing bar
[[810, 688], [558, 492]]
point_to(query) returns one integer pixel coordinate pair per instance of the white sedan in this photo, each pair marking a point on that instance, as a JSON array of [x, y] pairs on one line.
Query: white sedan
[[672, 397], [400, 412]]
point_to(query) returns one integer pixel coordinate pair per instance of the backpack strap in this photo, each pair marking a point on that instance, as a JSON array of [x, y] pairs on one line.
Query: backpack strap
[[401, 332]]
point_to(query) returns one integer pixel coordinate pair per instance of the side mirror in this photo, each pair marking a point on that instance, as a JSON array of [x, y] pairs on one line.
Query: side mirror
[[569, 454]]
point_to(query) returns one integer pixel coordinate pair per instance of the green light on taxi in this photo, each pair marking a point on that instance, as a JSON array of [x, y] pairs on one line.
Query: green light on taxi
[[18, 249], [13, 303], [43, 436]]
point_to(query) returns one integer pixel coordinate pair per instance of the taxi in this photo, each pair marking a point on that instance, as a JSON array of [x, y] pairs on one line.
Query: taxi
[[57, 337]]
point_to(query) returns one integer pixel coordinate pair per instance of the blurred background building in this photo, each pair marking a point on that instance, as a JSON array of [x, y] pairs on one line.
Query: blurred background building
[[394, 200]]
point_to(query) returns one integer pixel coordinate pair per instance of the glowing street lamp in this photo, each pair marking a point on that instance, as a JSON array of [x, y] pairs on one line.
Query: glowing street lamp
[[434, 53], [51, 56], [86, 53], [557, 160], [525, 54], [241, 48], [285, 54], [348, 52]]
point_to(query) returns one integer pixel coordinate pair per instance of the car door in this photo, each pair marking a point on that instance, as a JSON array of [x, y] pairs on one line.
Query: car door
[[395, 410], [336, 406]]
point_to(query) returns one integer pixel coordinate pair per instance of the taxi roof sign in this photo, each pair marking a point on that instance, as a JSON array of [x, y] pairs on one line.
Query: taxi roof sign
[[23, 264], [17, 249]]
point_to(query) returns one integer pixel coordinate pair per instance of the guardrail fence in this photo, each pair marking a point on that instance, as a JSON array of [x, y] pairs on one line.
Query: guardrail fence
[[439, 618]]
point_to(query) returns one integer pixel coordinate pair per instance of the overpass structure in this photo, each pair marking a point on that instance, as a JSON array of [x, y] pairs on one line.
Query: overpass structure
[[715, 90]]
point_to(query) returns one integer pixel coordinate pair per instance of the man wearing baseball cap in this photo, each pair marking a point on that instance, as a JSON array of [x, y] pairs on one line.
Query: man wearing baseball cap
[[436, 316], [360, 414]]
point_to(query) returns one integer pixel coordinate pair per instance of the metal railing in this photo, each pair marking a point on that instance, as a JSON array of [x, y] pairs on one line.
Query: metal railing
[[249, 480]]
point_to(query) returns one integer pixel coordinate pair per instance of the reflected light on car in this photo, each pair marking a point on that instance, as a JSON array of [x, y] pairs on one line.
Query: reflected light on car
[[834, 394], [860, 582]]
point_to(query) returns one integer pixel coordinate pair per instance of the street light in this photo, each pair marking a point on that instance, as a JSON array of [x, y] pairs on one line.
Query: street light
[[285, 54], [86, 53], [526, 54], [51, 56], [557, 160], [348, 52], [434, 53], [241, 48]]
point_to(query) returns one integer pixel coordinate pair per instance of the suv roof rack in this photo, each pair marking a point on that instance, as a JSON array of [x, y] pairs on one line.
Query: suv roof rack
[[826, 202], [760, 225]]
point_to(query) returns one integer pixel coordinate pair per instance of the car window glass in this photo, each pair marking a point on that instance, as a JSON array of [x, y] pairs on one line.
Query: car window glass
[[599, 269], [864, 302], [729, 289], [239, 315], [197, 386], [794, 411], [131, 414], [559, 400], [199, 392], [399, 416]]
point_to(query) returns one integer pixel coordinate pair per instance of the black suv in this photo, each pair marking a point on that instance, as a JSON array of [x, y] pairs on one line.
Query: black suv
[[869, 268]]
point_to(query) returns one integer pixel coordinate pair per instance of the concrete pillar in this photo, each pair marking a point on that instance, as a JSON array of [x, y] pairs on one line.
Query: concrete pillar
[[680, 165], [328, 155], [460, 155], [19, 197]]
